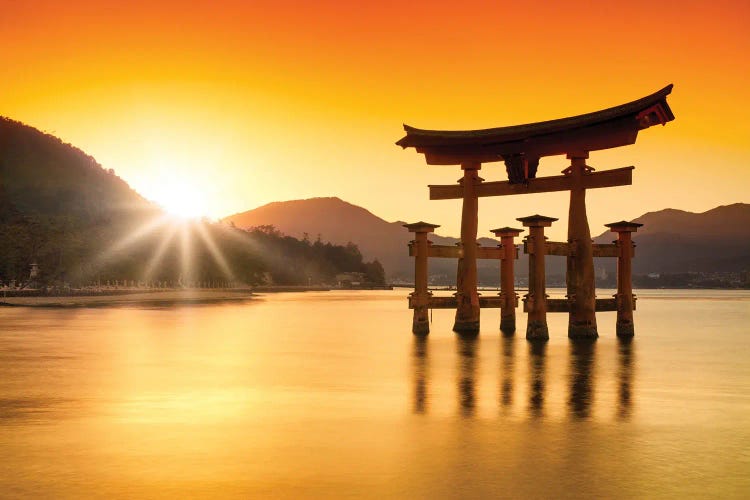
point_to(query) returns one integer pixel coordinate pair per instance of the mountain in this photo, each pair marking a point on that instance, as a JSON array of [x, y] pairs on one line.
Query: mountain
[[78, 223], [58, 206], [676, 241], [39, 174], [337, 221], [670, 241]]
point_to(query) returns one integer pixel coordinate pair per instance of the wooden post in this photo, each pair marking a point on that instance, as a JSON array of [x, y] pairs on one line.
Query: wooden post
[[420, 298], [536, 299], [580, 273], [467, 298], [508, 297], [624, 297]]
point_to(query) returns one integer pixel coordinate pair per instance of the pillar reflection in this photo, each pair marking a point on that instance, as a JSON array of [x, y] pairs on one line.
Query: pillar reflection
[[467, 346], [581, 378], [508, 347], [421, 374], [537, 376], [625, 362]]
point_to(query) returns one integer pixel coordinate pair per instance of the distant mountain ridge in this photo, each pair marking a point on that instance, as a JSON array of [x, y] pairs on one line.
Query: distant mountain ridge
[[340, 222], [670, 241]]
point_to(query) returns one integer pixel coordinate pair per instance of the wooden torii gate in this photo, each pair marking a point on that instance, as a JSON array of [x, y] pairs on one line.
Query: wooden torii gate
[[521, 147]]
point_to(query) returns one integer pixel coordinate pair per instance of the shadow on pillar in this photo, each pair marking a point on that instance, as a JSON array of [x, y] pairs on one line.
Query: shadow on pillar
[[582, 365], [421, 374], [467, 322], [420, 325], [625, 362], [467, 305], [625, 329], [467, 346], [508, 347], [537, 376], [508, 326]]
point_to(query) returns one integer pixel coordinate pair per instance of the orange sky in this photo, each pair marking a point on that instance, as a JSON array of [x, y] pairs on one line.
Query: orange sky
[[243, 103]]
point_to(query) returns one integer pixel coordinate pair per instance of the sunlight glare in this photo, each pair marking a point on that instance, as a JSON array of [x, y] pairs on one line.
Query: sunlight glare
[[182, 199]]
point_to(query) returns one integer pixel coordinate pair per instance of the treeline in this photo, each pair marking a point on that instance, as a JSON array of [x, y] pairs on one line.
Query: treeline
[[160, 250], [291, 261], [693, 280], [81, 224]]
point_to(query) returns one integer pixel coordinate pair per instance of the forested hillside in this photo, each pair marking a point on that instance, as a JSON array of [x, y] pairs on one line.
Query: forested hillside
[[82, 224]]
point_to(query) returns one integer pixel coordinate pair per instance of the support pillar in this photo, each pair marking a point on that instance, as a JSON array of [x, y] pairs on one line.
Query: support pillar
[[508, 297], [419, 299], [467, 298], [580, 273], [536, 299], [624, 298]]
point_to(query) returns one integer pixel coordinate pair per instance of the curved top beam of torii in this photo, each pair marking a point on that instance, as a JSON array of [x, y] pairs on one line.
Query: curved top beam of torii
[[604, 129]]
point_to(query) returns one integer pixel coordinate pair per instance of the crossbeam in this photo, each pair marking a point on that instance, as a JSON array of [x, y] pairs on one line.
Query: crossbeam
[[563, 305], [605, 178], [455, 252], [563, 249], [495, 301], [491, 302]]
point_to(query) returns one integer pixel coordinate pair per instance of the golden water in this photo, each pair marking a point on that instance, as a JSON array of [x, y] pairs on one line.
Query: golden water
[[329, 395]]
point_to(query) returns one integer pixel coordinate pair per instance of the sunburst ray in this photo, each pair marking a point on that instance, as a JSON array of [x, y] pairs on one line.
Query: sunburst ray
[[215, 252], [158, 256]]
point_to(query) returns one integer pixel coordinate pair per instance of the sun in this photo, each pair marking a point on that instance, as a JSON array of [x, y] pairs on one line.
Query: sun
[[182, 199]]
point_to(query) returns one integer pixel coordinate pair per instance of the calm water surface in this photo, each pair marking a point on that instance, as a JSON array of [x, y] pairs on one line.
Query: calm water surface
[[329, 395]]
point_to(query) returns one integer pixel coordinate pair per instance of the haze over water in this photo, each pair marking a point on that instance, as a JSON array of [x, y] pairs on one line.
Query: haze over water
[[329, 395]]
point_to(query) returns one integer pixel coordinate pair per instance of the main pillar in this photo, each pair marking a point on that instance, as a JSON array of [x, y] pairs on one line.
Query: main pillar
[[536, 299], [467, 298], [580, 274], [420, 298], [508, 297], [624, 297]]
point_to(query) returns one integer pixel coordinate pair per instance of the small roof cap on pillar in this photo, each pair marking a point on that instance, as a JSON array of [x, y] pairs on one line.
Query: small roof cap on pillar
[[536, 221], [623, 226], [506, 231], [421, 227]]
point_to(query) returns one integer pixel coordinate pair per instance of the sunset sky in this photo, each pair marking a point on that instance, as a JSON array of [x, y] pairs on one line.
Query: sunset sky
[[242, 103]]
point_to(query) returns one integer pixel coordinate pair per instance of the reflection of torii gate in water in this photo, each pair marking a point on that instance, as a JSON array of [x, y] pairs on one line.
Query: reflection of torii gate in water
[[520, 147]]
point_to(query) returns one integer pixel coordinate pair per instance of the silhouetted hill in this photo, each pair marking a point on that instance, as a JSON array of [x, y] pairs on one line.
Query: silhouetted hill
[[340, 222], [675, 241], [670, 241], [58, 206], [39, 174], [332, 220], [81, 223]]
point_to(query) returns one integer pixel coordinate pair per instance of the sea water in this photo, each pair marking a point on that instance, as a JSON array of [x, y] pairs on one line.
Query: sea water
[[328, 394]]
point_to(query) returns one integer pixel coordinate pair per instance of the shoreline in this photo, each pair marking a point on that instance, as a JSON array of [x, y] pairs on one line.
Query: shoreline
[[149, 297], [144, 298], [130, 298]]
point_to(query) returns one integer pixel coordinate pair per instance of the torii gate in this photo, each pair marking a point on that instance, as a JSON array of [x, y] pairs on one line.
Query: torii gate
[[520, 147]]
